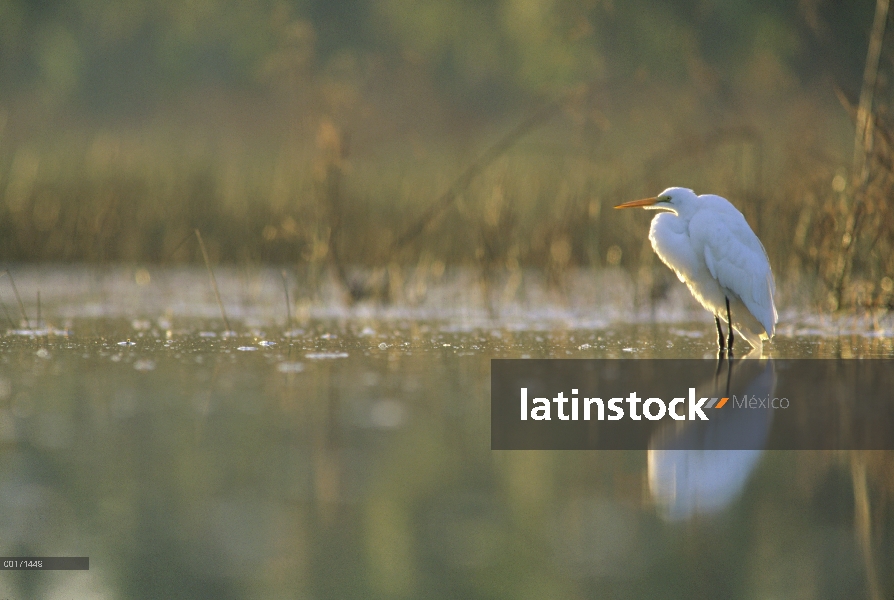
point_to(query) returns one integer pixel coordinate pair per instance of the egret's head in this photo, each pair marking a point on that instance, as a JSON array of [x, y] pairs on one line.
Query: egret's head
[[672, 199]]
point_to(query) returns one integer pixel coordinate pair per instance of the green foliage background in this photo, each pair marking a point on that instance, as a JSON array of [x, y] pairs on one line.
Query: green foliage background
[[103, 54]]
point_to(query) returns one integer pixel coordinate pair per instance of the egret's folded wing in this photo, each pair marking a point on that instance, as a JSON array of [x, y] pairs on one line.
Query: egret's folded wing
[[737, 260]]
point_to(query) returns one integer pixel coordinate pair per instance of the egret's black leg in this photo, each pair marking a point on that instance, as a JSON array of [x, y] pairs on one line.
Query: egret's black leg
[[729, 372], [729, 320], [721, 342]]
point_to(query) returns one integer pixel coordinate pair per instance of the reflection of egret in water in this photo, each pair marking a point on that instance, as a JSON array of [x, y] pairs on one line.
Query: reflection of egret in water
[[706, 480]]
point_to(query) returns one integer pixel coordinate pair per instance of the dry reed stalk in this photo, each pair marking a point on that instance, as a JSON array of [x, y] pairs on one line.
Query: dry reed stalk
[[223, 313], [6, 312], [852, 212], [19, 298], [864, 132], [285, 287]]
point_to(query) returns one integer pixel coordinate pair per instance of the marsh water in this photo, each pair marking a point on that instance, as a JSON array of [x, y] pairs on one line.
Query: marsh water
[[335, 451]]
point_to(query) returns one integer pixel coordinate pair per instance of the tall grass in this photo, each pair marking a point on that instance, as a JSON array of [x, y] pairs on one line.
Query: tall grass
[[352, 196]]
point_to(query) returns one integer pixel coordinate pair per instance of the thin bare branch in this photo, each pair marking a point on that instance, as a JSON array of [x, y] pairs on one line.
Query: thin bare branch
[[19, 298], [223, 313], [473, 170], [864, 133], [285, 288]]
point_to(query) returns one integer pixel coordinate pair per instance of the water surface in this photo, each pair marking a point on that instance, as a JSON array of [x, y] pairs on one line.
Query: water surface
[[348, 456]]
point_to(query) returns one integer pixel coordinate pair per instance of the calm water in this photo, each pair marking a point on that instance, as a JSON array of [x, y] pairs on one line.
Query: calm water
[[350, 457]]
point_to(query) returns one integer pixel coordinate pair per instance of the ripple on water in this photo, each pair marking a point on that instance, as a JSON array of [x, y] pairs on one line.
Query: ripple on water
[[144, 364]]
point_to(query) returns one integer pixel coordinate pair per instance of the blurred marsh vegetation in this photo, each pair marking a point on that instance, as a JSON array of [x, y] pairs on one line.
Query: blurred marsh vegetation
[[365, 139]]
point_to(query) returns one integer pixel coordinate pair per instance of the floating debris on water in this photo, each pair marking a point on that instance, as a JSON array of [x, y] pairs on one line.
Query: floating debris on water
[[39, 332], [128, 343], [325, 355], [290, 367], [266, 344], [247, 348]]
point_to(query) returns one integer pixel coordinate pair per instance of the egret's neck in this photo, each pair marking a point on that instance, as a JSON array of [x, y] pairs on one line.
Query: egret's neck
[[664, 209]]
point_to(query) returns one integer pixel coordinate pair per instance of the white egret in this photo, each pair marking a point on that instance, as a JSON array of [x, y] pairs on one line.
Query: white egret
[[707, 242]]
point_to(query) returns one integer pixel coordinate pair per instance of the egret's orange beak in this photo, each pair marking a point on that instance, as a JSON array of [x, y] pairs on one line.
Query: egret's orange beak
[[635, 203]]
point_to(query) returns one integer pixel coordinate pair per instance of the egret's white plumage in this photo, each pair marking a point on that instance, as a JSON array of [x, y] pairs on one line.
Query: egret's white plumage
[[709, 245]]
